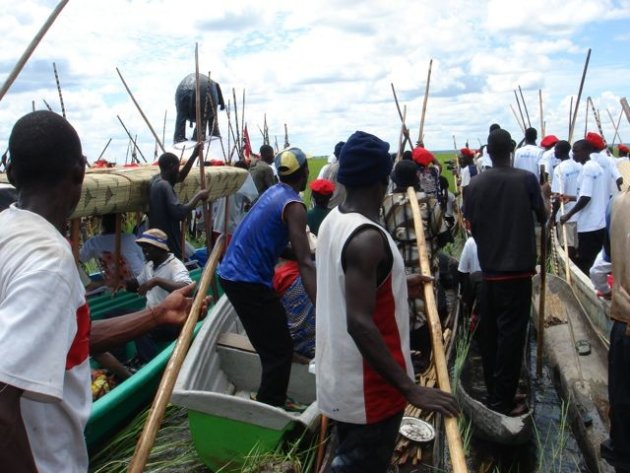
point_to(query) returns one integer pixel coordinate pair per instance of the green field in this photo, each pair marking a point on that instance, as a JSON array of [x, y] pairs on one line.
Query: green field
[[315, 164]]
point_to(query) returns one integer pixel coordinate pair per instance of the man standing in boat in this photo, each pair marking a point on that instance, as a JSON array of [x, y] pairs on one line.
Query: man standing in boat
[[45, 333], [246, 273], [362, 358], [500, 205], [165, 210]]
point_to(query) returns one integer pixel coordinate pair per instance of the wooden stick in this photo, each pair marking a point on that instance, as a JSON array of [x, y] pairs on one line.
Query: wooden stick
[[529, 122], [579, 97], [570, 119], [541, 300], [618, 124], [424, 104], [202, 172], [567, 270], [236, 127], [615, 128], [144, 117], [243, 124], [520, 125], [321, 443], [164, 127], [47, 106], [286, 137], [625, 107], [152, 425], [598, 122], [402, 118], [103, 152], [586, 121], [401, 141], [117, 250], [520, 110], [540, 106], [33, 105], [132, 140], [453, 436], [31, 47], [63, 109]]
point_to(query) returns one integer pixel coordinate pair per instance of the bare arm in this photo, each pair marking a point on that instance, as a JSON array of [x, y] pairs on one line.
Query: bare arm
[[108, 333], [579, 205], [166, 284], [15, 450], [295, 216], [183, 172], [362, 256]]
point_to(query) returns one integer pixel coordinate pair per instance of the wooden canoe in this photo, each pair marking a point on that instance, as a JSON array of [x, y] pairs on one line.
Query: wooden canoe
[[111, 412], [119, 190], [582, 380], [220, 372]]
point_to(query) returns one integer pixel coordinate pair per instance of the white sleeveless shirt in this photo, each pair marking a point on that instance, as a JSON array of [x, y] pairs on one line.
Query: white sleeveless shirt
[[348, 389]]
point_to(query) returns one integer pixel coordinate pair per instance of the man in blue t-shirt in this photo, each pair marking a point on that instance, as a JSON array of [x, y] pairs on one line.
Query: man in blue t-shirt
[[246, 273]]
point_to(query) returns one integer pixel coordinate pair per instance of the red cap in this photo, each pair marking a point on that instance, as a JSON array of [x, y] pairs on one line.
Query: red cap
[[623, 149], [549, 141], [596, 140], [215, 162], [422, 156], [322, 186], [469, 153]]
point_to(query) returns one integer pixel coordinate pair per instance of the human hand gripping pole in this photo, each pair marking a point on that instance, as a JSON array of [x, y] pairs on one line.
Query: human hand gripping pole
[[453, 436], [152, 425]]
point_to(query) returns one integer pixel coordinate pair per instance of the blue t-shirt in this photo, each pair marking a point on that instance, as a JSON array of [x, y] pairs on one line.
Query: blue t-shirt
[[260, 238]]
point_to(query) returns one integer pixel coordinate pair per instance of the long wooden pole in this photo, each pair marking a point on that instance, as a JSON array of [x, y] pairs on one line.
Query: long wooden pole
[[521, 126], [541, 300], [401, 140], [286, 136], [31, 47], [207, 217], [144, 117], [571, 119], [47, 106], [402, 118], [615, 128], [625, 107], [529, 122], [152, 425], [579, 97], [131, 138], [424, 104], [453, 437], [567, 270], [63, 108], [236, 127], [103, 152], [164, 127], [596, 116], [520, 110]]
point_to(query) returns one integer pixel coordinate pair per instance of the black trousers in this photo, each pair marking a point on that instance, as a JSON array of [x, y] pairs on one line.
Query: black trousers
[[589, 244], [619, 393], [265, 321], [504, 315], [366, 448]]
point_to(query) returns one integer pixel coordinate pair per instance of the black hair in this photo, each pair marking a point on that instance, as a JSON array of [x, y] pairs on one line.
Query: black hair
[[266, 149], [563, 147], [499, 144], [241, 163], [295, 176], [407, 155], [530, 135], [108, 223], [167, 161], [584, 144], [494, 126], [321, 200], [44, 149]]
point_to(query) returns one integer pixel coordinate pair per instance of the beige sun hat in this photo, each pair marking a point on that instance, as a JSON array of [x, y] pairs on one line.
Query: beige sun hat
[[154, 237]]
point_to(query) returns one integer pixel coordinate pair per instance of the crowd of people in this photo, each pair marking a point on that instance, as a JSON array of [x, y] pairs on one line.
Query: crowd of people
[[338, 282]]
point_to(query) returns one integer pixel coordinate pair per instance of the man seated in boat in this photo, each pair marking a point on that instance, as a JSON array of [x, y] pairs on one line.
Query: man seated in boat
[[161, 275], [501, 205], [246, 273], [362, 357], [165, 210], [102, 248], [45, 331]]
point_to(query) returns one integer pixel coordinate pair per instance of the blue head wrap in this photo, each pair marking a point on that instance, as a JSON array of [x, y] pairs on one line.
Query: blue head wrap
[[364, 160]]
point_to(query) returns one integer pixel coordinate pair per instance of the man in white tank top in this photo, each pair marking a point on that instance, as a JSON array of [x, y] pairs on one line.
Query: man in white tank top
[[364, 371]]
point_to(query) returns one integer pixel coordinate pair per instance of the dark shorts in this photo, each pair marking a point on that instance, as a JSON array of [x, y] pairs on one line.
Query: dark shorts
[[366, 448]]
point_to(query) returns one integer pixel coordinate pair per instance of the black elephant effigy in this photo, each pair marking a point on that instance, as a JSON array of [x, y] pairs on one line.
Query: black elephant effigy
[[185, 102]]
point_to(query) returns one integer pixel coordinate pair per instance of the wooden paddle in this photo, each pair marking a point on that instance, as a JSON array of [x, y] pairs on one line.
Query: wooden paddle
[[63, 108], [577, 103], [625, 107], [402, 117], [424, 104], [31, 47], [152, 425], [529, 122], [567, 270], [453, 436]]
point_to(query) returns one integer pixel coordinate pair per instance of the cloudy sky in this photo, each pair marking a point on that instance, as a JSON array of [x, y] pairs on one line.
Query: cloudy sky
[[323, 67]]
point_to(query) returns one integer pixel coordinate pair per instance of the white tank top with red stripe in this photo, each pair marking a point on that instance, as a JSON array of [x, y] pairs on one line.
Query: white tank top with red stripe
[[348, 389]]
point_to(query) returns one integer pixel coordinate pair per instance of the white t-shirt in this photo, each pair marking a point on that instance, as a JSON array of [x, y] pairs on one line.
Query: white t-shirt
[[592, 183], [565, 182], [465, 176], [549, 160], [236, 206], [485, 161], [527, 157], [611, 171], [171, 269], [469, 261], [44, 339], [131, 252]]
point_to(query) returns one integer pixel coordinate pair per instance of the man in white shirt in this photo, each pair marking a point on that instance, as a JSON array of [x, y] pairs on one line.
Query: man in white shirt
[[45, 334], [592, 199], [608, 163], [565, 182], [548, 158], [528, 156]]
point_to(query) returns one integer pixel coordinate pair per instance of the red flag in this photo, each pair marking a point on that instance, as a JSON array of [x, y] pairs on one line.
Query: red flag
[[247, 148]]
